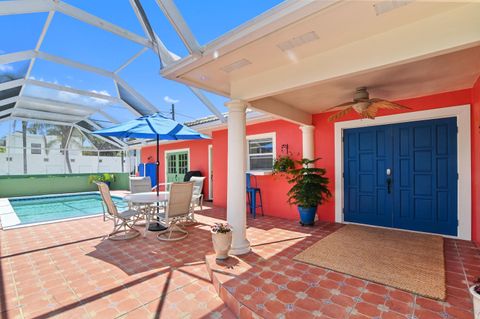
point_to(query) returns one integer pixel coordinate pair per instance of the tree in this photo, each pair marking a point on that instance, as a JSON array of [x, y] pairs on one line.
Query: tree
[[61, 136], [24, 146]]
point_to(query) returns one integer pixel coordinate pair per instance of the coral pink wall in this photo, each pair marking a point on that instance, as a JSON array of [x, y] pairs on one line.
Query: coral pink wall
[[274, 188], [198, 157], [476, 161], [324, 137]]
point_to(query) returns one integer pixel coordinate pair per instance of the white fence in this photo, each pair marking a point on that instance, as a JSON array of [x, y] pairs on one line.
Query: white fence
[[57, 161]]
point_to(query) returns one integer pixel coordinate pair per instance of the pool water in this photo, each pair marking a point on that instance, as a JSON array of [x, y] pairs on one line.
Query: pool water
[[49, 208]]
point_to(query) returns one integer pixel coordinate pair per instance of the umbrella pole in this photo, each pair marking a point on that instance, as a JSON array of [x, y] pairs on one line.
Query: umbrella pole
[[157, 226], [158, 168]]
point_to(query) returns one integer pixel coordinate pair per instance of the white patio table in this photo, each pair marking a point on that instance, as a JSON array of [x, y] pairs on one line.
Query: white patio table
[[148, 199]]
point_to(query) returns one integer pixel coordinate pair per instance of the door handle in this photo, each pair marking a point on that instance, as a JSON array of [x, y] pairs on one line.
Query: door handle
[[389, 180]]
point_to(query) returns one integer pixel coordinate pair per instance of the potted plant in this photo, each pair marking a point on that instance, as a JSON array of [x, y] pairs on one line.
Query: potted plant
[[475, 292], [222, 239], [106, 178], [310, 189], [283, 164], [95, 178]]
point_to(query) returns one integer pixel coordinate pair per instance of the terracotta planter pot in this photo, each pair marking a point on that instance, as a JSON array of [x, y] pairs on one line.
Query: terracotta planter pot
[[476, 303], [221, 244]]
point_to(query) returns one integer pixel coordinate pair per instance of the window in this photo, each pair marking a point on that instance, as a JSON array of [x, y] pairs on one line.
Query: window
[[36, 148], [261, 152]]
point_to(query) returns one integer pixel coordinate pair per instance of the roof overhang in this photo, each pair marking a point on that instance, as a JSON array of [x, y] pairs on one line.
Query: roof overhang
[[353, 43]]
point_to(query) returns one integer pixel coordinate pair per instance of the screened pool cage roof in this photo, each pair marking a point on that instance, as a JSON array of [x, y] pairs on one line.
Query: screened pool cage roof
[[25, 97]]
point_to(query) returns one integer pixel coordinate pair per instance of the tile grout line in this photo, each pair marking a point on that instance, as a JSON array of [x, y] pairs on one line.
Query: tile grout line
[[68, 285], [16, 289]]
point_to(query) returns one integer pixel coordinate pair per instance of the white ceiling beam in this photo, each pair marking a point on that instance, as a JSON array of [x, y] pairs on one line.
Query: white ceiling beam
[[16, 56], [10, 100], [61, 107], [46, 25], [11, 84], [172, 13], [108, 117], [126, 105], [91, 19], [167, 57], [4, 113], [135, 94], [42, 115], [40, 120], [25, 6], [282, 110], [74, 64], [98, 127], [59, 87], [32, 6], [133, 58]]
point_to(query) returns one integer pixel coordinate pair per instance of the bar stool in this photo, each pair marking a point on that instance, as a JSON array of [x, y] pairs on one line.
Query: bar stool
[[252, 191]]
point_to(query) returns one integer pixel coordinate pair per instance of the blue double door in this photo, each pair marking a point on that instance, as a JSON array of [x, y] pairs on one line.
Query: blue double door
[[402, 176]]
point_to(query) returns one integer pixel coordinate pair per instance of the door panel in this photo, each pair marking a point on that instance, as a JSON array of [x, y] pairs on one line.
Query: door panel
[[421, 192], [365, 188], [177, 166], [429, 180]]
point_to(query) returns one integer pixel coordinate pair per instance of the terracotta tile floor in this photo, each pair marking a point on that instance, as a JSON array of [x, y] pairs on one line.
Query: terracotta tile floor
[[69, 270]]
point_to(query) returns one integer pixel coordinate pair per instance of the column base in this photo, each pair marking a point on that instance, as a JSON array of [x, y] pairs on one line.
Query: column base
[[241, 250]]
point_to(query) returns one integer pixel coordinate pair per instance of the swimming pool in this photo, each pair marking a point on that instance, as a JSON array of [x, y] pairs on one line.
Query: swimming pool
[[40, 209]]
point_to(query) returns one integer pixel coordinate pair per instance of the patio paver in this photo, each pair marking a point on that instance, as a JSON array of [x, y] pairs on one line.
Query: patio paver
[[69, 270]]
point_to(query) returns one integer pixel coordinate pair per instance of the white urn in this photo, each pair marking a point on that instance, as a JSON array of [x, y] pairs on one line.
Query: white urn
[[221, 244]]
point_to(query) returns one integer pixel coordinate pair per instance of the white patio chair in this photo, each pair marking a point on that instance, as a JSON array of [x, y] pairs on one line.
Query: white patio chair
[[140, 185], [124, 221], [177, 210], [197, 198]]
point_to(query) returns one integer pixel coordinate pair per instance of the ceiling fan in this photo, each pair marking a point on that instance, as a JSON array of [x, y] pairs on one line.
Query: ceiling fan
[[365, 106]]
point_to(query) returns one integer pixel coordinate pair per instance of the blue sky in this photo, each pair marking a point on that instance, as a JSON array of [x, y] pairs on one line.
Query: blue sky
[[84, 43]]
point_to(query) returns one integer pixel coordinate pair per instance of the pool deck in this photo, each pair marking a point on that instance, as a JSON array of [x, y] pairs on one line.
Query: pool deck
[[70, 270]]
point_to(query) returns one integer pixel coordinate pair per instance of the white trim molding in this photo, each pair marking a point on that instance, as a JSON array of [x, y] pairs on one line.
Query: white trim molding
[[165, 154], [210, 172], [462, 113]]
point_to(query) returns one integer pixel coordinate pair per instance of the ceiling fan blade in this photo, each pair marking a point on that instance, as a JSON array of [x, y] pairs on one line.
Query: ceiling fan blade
[[340, 114], [340, 105], [370, 112], [384, 104]]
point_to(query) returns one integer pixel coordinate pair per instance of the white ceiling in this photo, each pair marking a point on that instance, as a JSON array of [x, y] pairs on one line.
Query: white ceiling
[[448, 72]]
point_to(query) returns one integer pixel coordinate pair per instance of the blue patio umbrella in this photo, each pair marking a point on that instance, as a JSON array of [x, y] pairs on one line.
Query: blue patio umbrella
[[154, 126]]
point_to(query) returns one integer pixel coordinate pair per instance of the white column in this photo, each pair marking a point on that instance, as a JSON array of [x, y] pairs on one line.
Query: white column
[[307, 141], [236, 181]]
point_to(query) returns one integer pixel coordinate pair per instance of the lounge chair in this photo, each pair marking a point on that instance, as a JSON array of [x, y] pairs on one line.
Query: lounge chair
[[124, 221], [178, 208]]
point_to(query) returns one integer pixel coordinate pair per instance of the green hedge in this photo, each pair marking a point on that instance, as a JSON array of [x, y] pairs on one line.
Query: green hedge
[[28, 185]]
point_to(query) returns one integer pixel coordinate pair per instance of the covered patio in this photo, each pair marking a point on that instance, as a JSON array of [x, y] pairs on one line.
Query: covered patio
[[292, 67], [69, 269]]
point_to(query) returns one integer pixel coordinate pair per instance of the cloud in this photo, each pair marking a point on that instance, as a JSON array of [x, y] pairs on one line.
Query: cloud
[[169, 100], [6, 68]]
